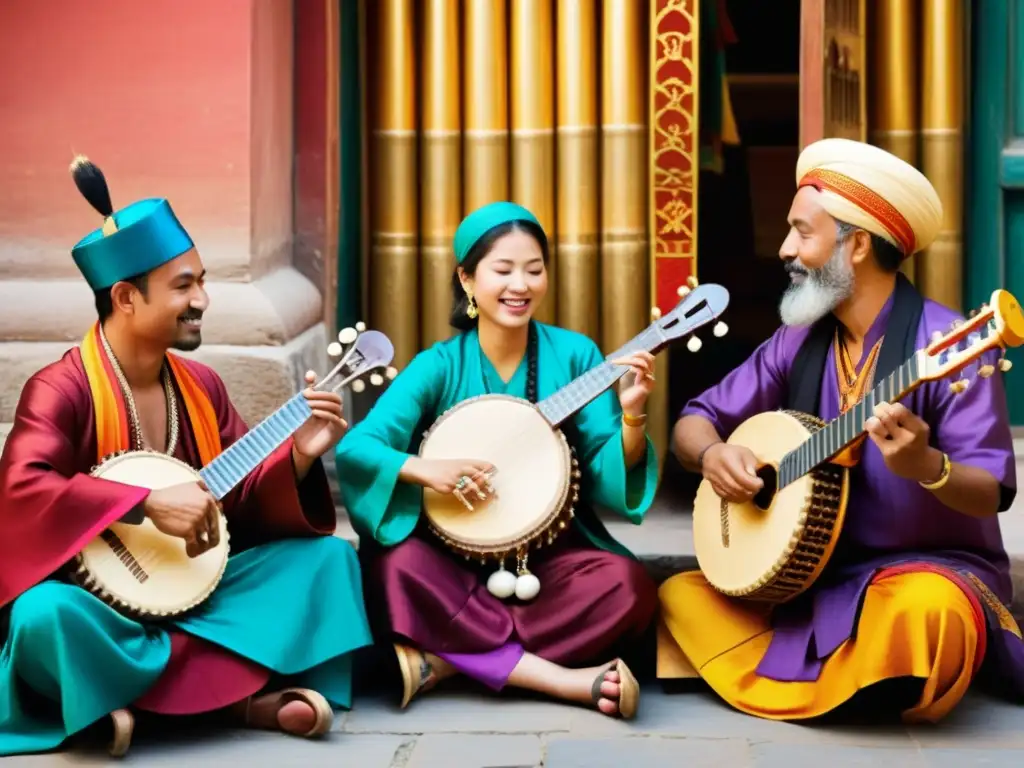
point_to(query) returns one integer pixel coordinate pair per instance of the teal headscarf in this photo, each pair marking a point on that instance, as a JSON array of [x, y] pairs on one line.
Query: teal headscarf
[[483, 220]]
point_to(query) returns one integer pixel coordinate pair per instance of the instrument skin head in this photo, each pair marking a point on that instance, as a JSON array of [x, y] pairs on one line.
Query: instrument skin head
[[749, 550], [155, 578], [532, 486]]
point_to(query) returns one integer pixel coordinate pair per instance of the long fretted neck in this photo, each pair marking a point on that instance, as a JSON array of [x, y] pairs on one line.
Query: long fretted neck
[[575, 395], [847, 427], [248, 452]]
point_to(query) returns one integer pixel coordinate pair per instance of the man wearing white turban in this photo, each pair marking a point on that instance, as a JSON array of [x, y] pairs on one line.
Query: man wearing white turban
[[913, 599]]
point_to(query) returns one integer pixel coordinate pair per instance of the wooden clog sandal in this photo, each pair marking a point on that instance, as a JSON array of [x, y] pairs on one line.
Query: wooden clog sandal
[[124, 725]]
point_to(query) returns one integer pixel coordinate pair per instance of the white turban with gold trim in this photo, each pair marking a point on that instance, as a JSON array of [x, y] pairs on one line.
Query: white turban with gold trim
[[874, 190]]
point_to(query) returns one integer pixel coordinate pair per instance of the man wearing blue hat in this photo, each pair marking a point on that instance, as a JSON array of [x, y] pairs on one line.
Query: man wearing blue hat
[[289, 603]]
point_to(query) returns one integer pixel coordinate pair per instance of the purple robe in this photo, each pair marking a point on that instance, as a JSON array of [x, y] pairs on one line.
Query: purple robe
[[889, 520]]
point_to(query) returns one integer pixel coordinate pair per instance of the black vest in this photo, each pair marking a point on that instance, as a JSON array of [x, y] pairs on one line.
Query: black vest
[[899, 344]]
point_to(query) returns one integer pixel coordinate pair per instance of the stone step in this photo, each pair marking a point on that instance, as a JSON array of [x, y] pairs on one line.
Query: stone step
[[664, 542]]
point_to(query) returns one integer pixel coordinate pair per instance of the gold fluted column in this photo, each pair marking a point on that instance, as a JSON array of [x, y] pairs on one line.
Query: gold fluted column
[[393, 179], [893, 76], [440, 165], [940, 268], [485, 137], [532, 167], [625, 299], [578, 275]]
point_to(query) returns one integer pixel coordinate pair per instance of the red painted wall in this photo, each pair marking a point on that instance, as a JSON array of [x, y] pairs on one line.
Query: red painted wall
[[185, 99]]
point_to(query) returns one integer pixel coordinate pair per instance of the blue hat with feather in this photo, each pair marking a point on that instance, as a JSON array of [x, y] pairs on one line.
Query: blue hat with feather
[[132, 241]]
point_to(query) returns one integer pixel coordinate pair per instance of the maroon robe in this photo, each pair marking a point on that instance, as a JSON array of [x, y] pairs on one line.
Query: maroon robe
[[50, 508]]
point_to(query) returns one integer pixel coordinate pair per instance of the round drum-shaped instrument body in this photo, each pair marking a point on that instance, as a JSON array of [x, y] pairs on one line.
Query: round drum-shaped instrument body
[[137, 569], [534, 482], [774, 547]]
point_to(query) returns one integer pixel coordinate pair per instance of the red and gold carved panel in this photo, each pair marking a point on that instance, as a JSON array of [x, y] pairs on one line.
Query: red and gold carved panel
[[674, 152]]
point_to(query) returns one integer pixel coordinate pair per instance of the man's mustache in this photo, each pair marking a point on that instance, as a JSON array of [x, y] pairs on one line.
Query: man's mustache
[[192, 314]]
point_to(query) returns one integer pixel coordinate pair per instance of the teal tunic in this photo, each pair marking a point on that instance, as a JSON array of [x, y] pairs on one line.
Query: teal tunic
[[371, 455], [278, 605]]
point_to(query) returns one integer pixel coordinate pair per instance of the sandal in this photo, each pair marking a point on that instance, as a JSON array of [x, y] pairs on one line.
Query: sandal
[[629, 689], [417, 674], [124, 725], [321, 707]]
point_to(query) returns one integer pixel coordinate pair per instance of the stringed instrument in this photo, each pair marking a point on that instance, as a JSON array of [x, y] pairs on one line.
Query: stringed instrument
[[775, 546], [537, 475], [145, 573]]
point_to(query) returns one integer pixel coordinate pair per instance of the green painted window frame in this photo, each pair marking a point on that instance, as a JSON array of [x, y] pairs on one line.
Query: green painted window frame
[[995, 168]]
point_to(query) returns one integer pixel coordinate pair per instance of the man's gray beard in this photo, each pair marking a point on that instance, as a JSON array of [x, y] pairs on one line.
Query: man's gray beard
[[821, 292]]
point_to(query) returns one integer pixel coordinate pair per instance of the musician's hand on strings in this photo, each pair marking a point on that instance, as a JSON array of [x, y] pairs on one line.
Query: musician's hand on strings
[[633, 397], [187, 511], [465, 478], [324, 428], [732, 472], [902, 438]]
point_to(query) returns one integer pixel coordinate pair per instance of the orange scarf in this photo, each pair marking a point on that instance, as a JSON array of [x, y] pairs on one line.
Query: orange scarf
[[112, 427]]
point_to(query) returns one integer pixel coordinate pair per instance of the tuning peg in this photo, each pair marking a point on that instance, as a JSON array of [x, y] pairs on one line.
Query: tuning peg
[[347, 335], [959, 386], [376, 379], [986, 370], [360, 326], [1005, 365], [936, 335], [691, 281], [358, 385], [682, 291], [334, 349], [655, 314], [972, 313], [390, 372], [694, 344], [956, 323], [720, 329]]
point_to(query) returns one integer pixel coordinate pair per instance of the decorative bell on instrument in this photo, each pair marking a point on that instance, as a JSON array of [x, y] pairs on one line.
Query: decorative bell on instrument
[[527, 586], [501, 583]]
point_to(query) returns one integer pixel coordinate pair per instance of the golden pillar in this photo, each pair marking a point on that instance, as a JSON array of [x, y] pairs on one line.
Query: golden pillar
[[893, 83], [940, 268], [485, 162], [578, 274], [394, 227], [625, 299], [532, 167], [440, 165]]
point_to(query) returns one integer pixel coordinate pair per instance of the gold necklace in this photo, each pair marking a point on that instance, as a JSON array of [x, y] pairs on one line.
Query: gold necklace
[[852, 385], [138, 442]]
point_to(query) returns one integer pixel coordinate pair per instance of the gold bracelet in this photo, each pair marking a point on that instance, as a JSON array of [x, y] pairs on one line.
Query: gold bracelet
[[943, 477], [634, 421]]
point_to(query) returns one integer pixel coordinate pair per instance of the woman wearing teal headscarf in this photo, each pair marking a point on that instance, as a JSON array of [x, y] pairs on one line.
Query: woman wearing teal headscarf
[[436, 606]]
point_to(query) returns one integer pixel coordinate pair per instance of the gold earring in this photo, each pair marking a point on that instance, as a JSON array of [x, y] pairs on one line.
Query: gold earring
[[471, 310]]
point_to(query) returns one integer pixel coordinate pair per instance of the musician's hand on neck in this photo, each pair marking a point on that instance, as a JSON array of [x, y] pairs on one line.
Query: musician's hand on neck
[[322, 430], [633, 398]]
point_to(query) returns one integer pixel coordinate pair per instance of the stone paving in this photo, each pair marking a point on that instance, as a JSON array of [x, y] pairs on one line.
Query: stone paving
[[464, 729]]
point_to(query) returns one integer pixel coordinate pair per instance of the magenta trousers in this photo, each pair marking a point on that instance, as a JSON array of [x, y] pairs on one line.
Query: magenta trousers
[[590, 602]]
